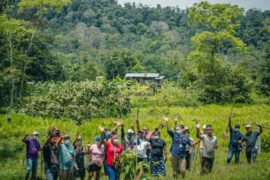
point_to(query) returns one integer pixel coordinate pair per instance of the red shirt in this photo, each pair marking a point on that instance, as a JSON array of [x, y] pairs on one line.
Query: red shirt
[[112, 152]]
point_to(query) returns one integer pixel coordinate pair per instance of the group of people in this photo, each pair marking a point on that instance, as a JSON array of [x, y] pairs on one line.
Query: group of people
[[65, 160]]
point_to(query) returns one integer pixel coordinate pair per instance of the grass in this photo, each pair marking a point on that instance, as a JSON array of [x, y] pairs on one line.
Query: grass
[[12, 150]]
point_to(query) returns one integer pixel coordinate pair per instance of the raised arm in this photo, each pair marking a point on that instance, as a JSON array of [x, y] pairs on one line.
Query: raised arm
[[260, 129], [175, 121], [198, 133], [24, 138], [122, 133], [137, 120], [230, 122], [101, 129], [116, 126], [165, 153]]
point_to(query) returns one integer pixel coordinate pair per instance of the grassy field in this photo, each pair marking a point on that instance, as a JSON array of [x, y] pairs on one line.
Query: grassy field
[[12, 150]]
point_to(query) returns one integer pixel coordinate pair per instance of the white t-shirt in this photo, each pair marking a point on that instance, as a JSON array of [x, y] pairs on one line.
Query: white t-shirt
[[141, 149], [210, 144]]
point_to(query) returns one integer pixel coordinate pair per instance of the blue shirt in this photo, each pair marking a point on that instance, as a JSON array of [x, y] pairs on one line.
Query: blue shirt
[[235, 136], [179, 142]]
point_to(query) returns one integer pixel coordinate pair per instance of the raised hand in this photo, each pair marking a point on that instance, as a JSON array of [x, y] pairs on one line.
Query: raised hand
[[101, 129], [198, 125], [166, 119]]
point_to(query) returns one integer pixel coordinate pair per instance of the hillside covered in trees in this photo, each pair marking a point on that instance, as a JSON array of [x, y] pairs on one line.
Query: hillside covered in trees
[[220, 52]]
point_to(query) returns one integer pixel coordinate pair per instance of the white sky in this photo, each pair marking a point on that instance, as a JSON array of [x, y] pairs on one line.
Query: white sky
[[247, 4]]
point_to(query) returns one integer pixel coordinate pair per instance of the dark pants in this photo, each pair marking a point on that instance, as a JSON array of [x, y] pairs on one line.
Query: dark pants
[[207, 165], [80, 163], [251, 155], [230, 155], [188, 160]]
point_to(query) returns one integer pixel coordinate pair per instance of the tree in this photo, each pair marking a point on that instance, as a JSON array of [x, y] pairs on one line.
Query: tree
[[220, 22], [157, 27], [119, 62], [264, 75]]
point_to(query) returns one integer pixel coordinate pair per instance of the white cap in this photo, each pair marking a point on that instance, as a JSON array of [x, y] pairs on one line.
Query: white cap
[[248, 126], [35, 133], [130, 131]]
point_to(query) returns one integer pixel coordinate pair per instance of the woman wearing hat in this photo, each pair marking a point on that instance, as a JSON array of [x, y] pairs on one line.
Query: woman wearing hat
[[32, 148], [96, 152]]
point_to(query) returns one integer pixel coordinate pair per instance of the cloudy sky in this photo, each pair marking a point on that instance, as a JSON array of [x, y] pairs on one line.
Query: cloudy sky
[[247, 4]]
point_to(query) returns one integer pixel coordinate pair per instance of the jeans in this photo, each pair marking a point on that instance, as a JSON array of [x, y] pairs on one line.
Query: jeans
[[230, 155], [51, 172], [251, 155], [188, 160], [111, 171], [31, 168]]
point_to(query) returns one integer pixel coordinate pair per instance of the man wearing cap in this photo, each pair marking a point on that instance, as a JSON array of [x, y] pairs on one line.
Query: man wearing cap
[[129, 140], [178, 149], [251, 138], [32, 148], [234, 145]]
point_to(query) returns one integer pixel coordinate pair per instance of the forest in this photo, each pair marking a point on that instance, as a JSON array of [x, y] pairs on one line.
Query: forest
[[222, 57]]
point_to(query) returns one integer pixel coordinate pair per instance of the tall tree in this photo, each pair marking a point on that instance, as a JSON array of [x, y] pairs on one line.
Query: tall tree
[[219, 22]]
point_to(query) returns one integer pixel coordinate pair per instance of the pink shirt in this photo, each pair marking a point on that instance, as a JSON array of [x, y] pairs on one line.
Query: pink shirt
[[97, 154]]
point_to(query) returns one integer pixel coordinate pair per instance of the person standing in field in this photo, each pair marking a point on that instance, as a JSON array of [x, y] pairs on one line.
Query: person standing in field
[[189, 149], [178, 149], [235, 146], [141, 147], [66, 159], [79, 157], [251, 138], [210, 146], [113, 149], [32, 148], [201, 145], [50, 156], [158, 155], [96, 154]]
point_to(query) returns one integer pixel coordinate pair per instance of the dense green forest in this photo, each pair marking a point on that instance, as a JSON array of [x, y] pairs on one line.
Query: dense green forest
[[215, 53]]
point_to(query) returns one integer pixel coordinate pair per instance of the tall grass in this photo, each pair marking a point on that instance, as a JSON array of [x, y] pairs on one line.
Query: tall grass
[[12, 150]]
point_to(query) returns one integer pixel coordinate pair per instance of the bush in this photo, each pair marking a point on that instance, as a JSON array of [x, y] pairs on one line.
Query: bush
[[169, 95], [265, 143], [80, 101]]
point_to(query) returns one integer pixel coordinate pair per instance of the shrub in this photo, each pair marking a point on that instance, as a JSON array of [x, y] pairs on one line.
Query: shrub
[[80, 101], [169, 95]]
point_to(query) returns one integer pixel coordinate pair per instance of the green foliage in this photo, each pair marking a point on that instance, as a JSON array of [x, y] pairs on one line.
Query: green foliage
[[265, 142], [127, 164], [80, 101], [220, 82], [119, 63], [169, 95], [43, 5], [264, 75]]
